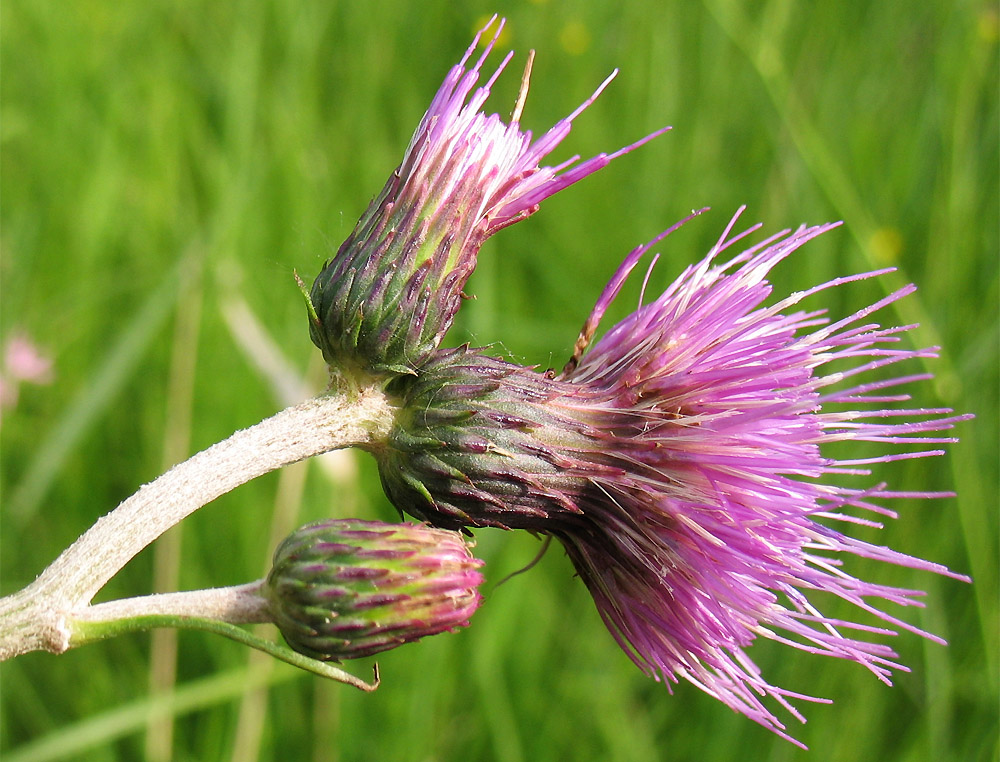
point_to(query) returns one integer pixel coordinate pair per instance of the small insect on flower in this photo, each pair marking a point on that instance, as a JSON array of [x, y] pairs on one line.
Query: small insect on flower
[[682, 463]]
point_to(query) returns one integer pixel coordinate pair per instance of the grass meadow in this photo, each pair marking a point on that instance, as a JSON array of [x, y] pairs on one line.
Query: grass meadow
[[167, 167]]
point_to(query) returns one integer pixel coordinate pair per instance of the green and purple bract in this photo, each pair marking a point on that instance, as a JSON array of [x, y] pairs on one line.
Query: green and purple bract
[[346, 588]]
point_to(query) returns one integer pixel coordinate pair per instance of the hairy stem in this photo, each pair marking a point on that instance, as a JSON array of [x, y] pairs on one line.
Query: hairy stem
[[218, 610], [36, 618], [241, 604]]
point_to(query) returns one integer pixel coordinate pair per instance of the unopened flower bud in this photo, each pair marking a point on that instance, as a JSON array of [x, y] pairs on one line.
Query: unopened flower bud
[[346, 588]]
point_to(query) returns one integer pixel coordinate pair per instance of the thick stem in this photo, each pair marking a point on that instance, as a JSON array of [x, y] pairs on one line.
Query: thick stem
[[36, 618]]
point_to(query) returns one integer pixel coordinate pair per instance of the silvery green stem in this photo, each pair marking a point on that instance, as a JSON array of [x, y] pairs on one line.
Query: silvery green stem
[[240, 604], [218, 610], [37, 617]]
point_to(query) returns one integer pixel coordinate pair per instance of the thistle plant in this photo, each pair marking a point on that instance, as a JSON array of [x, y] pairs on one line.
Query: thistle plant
[[683, 459], [680, 462]]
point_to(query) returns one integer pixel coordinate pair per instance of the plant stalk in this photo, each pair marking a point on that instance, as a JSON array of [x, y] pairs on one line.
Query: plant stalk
[[39, 616]]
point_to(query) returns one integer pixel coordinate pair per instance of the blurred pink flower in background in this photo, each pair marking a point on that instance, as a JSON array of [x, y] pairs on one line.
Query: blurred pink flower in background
[[23, 362]]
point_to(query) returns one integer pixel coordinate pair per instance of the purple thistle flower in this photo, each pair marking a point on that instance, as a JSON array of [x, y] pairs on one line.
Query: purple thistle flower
[[387, 298], [682, 464]]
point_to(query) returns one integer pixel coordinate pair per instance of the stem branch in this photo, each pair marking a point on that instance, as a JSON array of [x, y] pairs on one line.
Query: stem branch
[[242, 604], [36, 618], [219, 611]]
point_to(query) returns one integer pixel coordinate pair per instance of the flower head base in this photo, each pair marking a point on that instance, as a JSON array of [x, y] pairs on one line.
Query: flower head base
[[387, 298], [342, 589], [680, 463]]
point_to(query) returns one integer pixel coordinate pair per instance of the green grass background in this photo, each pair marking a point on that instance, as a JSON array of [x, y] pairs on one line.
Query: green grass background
[[166, 163]]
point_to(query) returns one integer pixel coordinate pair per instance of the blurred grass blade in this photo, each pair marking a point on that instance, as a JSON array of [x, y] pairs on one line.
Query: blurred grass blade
[[94, 398], [71, 741]]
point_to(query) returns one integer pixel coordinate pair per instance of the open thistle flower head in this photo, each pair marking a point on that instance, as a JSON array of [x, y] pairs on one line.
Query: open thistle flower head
[[346, 588], [682, 463], [385, 301]]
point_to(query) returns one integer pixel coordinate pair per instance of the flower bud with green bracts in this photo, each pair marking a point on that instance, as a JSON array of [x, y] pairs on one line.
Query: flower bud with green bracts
[[384, 302], [346, 588]]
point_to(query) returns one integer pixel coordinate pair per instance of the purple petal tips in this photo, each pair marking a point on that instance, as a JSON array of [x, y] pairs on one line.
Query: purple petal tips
[[385, 301], [684, 463]]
